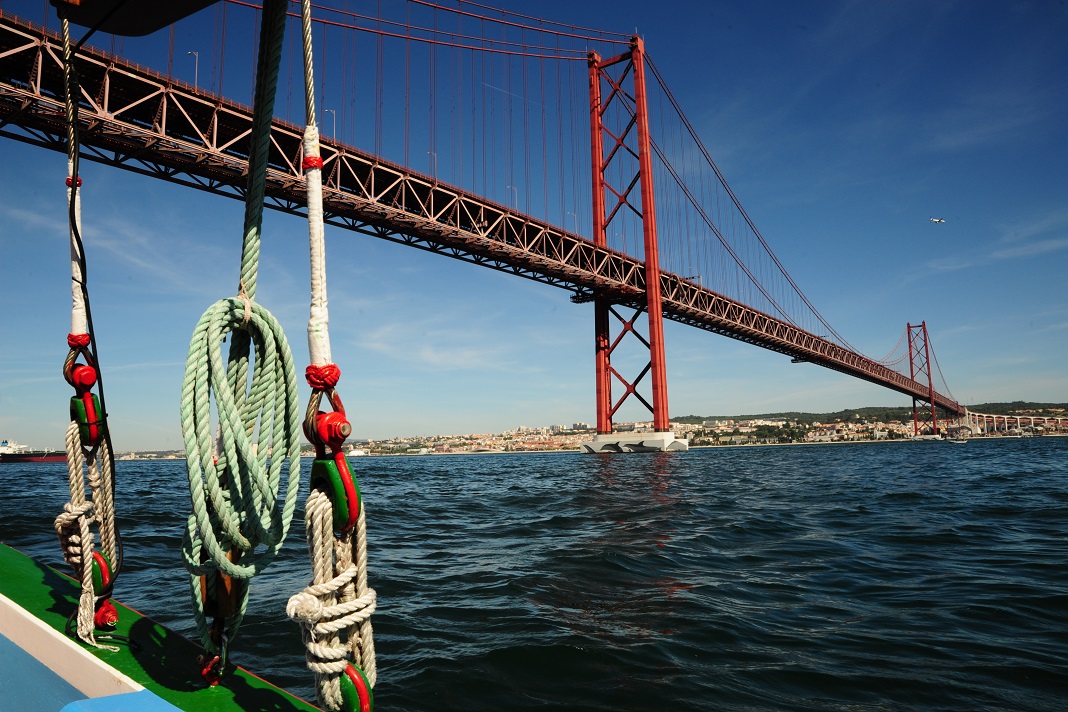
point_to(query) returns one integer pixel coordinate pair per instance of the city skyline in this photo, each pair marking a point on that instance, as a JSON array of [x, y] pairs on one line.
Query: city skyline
[[844, 128]]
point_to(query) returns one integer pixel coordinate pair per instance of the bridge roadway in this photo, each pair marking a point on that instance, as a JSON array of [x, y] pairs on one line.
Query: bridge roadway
[[137, 119]]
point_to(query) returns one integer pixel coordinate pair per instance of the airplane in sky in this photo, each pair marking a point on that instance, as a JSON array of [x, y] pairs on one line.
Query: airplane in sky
[[938, 220]]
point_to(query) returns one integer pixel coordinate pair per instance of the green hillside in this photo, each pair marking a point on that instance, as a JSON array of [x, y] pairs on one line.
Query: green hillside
[[885, 413]]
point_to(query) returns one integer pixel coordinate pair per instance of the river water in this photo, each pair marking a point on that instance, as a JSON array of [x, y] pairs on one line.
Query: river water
[[881, 576]]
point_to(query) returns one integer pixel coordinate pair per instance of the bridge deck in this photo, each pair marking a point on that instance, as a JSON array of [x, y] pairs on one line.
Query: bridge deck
[[137, 119]]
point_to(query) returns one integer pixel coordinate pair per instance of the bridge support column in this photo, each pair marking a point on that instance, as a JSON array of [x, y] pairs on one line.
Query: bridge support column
[[623, 142], [920, 364]]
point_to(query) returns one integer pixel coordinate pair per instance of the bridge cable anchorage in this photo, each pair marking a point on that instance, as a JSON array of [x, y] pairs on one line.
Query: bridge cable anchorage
[[334, 610], [88, 443], [238, 524]]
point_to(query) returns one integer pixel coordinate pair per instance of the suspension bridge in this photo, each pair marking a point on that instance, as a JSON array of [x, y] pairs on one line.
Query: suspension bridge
[[523, 127]]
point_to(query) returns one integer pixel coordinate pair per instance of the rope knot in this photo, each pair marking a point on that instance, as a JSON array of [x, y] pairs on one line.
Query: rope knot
[[247, 300], [305, 608], [78, 341], [324, 377]]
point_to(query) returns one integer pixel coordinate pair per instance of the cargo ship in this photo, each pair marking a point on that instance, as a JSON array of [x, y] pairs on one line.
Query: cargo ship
[[11, 451]]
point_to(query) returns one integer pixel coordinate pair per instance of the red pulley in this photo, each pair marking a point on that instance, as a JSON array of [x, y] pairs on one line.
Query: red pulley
[[82, 378], [332, 429]]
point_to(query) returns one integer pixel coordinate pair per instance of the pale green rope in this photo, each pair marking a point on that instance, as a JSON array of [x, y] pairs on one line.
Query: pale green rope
[[235, 499]]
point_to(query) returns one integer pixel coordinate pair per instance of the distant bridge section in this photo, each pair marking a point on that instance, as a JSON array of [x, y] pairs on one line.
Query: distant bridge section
[[137, 119], [988, 423]]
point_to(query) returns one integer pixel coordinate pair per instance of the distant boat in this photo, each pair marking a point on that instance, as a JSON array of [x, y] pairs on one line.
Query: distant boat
[[11, 451], [957, 440]]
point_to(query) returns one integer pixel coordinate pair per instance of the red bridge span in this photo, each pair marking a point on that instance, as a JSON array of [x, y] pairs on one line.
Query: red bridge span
[[138, 119]]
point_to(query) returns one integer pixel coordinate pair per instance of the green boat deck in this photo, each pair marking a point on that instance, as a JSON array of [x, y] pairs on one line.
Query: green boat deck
[[161, 660]]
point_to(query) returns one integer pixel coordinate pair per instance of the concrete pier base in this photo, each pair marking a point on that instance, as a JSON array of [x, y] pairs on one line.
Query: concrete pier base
[[635, 442]]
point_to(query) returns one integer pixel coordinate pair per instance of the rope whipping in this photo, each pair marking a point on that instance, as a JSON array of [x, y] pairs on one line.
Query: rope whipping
[[90, 463], [238, 524], [334, 611]]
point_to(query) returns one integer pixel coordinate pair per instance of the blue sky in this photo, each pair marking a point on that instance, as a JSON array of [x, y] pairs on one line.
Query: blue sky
[[841, 126]]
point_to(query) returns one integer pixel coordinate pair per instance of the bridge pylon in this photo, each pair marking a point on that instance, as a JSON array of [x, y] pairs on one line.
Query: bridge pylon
[[626, 143], [924, 413]]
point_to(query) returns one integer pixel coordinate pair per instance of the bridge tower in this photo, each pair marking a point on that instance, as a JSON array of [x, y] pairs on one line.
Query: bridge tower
[[627, 163], [920, 370]]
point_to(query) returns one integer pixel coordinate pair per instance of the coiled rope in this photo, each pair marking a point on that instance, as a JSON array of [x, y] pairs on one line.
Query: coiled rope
[[237, 524], [334, 611], [88, 442]]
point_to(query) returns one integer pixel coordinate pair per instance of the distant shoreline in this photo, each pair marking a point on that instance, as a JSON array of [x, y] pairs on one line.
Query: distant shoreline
[[692, 447]]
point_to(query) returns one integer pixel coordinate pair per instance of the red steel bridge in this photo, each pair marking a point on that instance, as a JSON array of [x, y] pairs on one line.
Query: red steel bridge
[[663, 243]]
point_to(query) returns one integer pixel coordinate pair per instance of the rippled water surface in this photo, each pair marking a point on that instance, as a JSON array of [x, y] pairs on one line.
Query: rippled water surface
[[897, 576]]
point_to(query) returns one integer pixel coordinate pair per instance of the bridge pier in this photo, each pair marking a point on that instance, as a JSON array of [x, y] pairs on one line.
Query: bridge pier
[[920, 365], [616, 164], [634, 442]]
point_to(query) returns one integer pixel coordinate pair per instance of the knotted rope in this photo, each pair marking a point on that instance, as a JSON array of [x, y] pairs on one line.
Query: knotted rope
[[334, 611], [338, 601], [88, 443], [76, 537], [235, 496]]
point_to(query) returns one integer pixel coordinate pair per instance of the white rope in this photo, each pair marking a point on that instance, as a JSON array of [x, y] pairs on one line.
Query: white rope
[[73, 523], [338, 601], [86, 462], [319, 318], [334, 611], [79, 324]]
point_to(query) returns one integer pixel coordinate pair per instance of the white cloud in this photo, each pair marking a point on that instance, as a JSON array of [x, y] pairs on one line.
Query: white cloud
[[53, 223], [950, 264], [1042, 224], [1031, 249], [976, 126], [425, 344], [1016, 243]]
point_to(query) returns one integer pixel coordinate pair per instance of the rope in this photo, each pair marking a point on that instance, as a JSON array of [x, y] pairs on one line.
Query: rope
[[319, 317], [88, 443], [337, 600], [235, 495], [334, 611], [73, 526]]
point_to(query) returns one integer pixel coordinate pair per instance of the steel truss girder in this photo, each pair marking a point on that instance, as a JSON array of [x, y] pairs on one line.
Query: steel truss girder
[[137, 119]]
